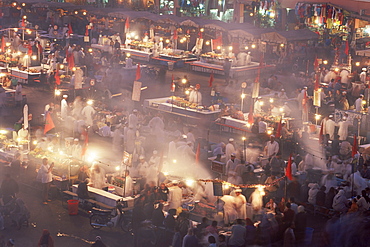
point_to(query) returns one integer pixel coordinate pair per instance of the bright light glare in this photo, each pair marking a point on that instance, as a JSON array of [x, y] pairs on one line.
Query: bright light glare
[[271, 100], [243, 95], [189, 182], [57, 92], [90, 102], [90, 158], [3, 132], [317, 117], [118, 168], [174, 161], [34, 142]]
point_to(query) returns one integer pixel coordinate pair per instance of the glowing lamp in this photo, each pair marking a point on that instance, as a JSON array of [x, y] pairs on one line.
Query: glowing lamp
[[218, 47], [248, 125], [281, 45], [243, 95], [230, 48], [187, 92], [244, 138], [84, 13], [15, 29], [34, 57], [357, 64], [251, 14], [202, 29], [317, 117], [271, 100], [261, 103], [167, 41], [281, 109], [90, 102], [269, 132], [76, 12], [118, 168], [74, 69], [57, 92], [325, 62], [208, 43], [253, 46], [184, 81], [364, 102], [174, 161], [61, 66], [90, 50], [246, 47], [128, 55], [24, 17], [23, 4]]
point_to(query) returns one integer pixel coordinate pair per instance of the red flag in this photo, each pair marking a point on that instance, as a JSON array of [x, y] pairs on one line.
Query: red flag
[[175, 35], [316, 64], [2, 44], [29, 47], [217, 42], [49, 124], [87, 30], [70, 60], [354, 146], [138, 72], [200, 34], [127, 25], [211, 78], [173, 86], [346, 50], [250, 115], [23, 24], [304, 101], [278, 131], [70, 31], [321, 135], [197, 154], [317, 82], [288, 170], [57, 77], [86, 142], [39, 47]]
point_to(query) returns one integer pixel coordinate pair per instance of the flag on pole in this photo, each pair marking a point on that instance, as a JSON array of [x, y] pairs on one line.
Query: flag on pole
[[321, 135], [250, 115], [70, 30], [346, 50], [49, 124], [127, 25], [317, 82], [354, 146], [211, 78], [85, 133], [57, 77], [173, 86], [278, 131], [197, 154], [87, 30], [316, 64], [2, 44], [138, 72], [175, 35], [288, 170], [23, 24]]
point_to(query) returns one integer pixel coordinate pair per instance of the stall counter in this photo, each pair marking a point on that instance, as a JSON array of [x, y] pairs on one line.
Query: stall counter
[[138, 55]]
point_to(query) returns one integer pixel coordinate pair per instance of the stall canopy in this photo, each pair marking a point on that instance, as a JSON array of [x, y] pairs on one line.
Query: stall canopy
[[283, 37]]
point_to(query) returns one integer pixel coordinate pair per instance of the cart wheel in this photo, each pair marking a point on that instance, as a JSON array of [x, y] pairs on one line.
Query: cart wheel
[[96, 221], [126, 226]]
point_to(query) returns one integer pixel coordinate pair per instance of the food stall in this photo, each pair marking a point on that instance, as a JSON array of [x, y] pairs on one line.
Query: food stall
[[181, 107], [138, 55], [26, 75], [176, 56]]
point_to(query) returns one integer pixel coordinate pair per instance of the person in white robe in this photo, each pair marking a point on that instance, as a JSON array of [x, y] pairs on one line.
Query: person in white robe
[[186, 154], [363, 75], [190, 136], [229, 149], [97, 177], [230, 170], [171, 155], [155, 159], [174, 196], [76, 149], [129, 186], [117, 138], [142, 167], [133, 120], [240, 204], [343, 129], [230, 214], [64, 107], [77, 107], [88, 113], [156, 126], [358, 104], [195, 97]]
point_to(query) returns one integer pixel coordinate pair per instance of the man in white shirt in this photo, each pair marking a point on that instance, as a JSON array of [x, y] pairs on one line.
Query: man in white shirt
[[343, 129], [88, 113], [330, 127], [64, 107], [230, 168], [262, 126], [174, 196], [272, 147], [190, 136], [76, 149], [46, 179]]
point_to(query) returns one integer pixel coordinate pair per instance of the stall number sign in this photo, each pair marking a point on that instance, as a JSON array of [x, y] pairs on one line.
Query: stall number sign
[[218, 167], [136, 91]]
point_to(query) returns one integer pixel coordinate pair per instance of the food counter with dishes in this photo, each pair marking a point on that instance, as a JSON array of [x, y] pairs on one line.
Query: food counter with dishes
[[180, 106]]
